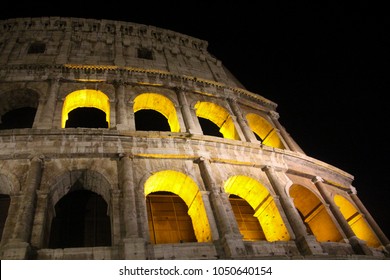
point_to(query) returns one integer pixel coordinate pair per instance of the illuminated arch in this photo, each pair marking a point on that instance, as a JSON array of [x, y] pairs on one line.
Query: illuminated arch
[[263, 204], [356, 221], [262, 128], [314, 214], [219, 116], [183, 186], [159, 103], [85, 98]]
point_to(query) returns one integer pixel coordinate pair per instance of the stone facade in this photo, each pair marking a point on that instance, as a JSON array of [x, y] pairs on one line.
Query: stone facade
[[307, 209]]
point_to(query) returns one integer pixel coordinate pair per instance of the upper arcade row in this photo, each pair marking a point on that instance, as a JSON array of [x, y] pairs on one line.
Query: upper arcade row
[[78, 41]]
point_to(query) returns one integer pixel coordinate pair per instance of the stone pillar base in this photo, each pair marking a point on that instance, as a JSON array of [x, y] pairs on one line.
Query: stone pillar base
[[359, 246], [15, 250], [134, 249], [308, 245], [233, 246], [120, 126]]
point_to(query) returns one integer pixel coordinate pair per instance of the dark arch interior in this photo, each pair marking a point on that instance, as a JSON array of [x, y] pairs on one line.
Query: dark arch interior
[[81, 221], [18, 118], [151, 120], [88, 117], [4, 205], [209, 128], [258, 137]]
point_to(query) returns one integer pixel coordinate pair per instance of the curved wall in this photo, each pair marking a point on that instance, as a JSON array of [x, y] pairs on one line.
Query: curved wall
[[242, 186]]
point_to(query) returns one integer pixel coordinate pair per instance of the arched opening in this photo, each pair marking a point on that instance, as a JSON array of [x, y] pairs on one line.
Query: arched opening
[[314, 214], [81, 220], [264, 131], [209, 128], [168, 219], [356, 221], [18, 109], [248, 224], [263, 205], [86, 117], [5, 201], [160, 104], [186, 189], [85, 98], [18, 118], [151, 120], [219, 116]]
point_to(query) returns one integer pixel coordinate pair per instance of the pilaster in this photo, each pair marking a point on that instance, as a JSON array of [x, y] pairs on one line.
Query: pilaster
[[229, 234], [306, 243], [358, 246]]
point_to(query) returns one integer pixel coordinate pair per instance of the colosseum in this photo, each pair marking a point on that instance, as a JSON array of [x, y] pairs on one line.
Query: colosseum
[[120, 140]]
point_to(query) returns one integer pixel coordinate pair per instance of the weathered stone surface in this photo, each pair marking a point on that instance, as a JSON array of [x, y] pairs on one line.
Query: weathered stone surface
[[55, 65]]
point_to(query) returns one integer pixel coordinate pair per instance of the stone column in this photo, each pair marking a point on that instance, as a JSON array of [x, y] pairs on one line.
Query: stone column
[[133, 244], [370, 220], [186, 112], [47, 115], [242, 122], [40, 221], [285, 136], [122, 122], [18, 246], [210, 215], [306, 243], [131, 115], [116, 215], [358, 246], [229, 233]]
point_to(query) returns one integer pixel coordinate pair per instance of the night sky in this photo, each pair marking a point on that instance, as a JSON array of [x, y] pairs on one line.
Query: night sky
[[326, 65]]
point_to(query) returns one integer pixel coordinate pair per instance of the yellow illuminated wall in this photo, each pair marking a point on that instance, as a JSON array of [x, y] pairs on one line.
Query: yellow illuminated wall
[[219, 116], [356, 221], [85, 98], [183, 186], [315, 214], [262, 203], [264, 130], [159, 103]]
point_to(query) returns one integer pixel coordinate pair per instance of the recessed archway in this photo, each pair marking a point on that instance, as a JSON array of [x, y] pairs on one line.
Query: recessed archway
[[159, 103], [219, 116], [314, 214], [183, 186], [264, 131], [18, 108], [168, 219], [81, 220], [85, 98], [262, 203], [356, 221]]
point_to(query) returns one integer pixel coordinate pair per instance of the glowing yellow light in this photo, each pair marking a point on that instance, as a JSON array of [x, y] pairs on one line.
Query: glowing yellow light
[[356, 221], [314, 214], [264, 130], [183, 186], [159, 103], [85, 98], [219, 116], [261, 201]]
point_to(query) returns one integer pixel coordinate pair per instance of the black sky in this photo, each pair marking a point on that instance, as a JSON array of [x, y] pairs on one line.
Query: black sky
[[324, 64]]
